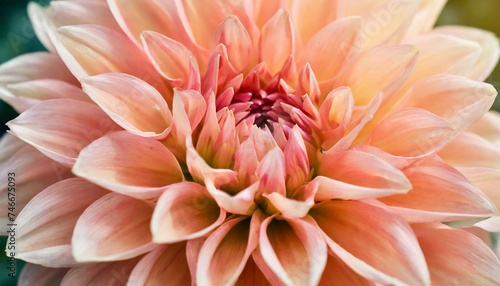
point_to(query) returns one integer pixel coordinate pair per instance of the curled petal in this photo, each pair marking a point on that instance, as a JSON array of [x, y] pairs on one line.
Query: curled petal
[[185, 211], [115, 227], [103, 163], [130, 102]]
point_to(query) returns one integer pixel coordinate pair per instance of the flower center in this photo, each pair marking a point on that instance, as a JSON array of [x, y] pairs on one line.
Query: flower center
[[259, 105]]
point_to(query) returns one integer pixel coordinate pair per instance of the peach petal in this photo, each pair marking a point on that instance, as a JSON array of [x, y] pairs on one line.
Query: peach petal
[[291, 251], [33, 173], [185, 211], [412, 132], [394, 257], [358, 175], [115, 227], [272, 172], [53, 211], [296, 206], [111, 273], [172, 60], [33, 274], [486, 179], [332, 47], [489, 43], [324, 11], [488, 126], [279, 29], [167, 261], [9, 144], [262, 10], [296, 160], [471, 150], [439, 193], [456, 255], [229, 248], [103, 163], [426, 17], [338, 273], [252, 275], [83, 123], [235, 37], [143, 112]]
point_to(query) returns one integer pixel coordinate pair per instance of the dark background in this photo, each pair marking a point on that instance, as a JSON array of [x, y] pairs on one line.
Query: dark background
[[17, 37]]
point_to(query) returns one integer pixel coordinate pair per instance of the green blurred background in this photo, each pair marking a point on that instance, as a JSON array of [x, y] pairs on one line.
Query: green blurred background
[[17, 37]]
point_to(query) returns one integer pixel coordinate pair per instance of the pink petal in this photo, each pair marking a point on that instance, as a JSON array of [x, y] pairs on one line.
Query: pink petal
[[488, 126], [60, 128], [46, 223], [228, 248], [296, 160], [9, 144], [33, 274], [332, 47], [33, 173], [39, 65], [439, 193], [235, 37], [394, 255], [338, 273], [103, 163], [411, 132], [143, 112], [115, 227], [165, 262], [172, 60], [358, 175], [271, 172], [461, 101], [291, 251], [324, 12], [24, 95], [456, 256], [278, 29], [112, 273], [490, 52], [185, 211], [471, 150]]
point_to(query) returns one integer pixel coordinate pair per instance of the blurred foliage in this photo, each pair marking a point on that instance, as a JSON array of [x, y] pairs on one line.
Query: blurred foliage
[[17, 37]]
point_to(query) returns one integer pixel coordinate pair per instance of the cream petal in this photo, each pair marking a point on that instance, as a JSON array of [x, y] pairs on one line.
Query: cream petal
[[112, 273], [461, 101], [471, 150], [61, 128], [456, 256], [485, 179], [165, 262], [33, 173], [104, 164], [439, 193], [39, 65], [228, 248], [291, 252], [412, 132], [24, 95], [358, 175], [333, 46], [235, 37], [185, 211], [143, 111], [46, 223], [324, 11], [279, 29], [33, 274], [338, 273], [426, 17], [262, 10], [488, 126], [394, 258], [115, 227], [489, 43]]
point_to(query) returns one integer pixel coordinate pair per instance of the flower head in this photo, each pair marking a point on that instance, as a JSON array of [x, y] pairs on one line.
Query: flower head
[[249, 142]]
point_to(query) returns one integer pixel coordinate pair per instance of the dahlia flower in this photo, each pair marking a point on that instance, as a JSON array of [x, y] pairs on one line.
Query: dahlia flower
[[250, 142]]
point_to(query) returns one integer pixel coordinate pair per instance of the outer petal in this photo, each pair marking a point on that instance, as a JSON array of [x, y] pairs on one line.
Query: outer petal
[[278, 29], [456, 256], [9, 144], [46, 223], [332, 47], [252, 275], [228, 248], [33, 274], [143, 111], [291, 251], [358, 175], [115, 227], [60, 128], [185, 211], [113, 273], [488, 126], [394, 256], [471, 150], [33, 173], [165, 262], [324, 11], [103, 163], [338, 273], [488, 42], [439, 193], [426, 17]]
